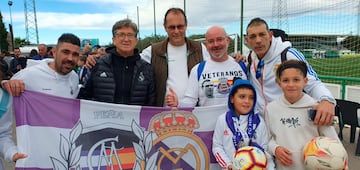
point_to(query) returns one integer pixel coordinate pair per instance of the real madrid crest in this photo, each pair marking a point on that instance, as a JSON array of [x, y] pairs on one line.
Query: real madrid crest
[[174, 126]]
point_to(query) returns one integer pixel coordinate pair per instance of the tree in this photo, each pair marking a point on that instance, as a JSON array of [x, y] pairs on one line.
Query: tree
[[20, 42], [4, 45], [145, 42]]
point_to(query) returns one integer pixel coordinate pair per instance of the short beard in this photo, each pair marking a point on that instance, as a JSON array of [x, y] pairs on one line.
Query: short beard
[[218, 56]]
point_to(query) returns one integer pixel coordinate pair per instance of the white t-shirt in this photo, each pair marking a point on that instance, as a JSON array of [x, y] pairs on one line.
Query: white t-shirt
[[177, 67], [214, 84], [42, 78]]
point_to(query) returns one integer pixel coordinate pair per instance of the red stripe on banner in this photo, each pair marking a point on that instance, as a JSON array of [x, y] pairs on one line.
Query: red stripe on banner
[[127, 157]]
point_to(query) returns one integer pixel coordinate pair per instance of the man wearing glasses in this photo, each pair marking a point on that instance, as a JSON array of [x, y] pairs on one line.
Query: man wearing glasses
[[266, 56], [173, 58], [210, 81], [122, 76]]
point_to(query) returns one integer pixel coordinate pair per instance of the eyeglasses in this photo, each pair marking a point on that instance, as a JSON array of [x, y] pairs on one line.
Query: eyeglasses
[[259, 68], [123, 35], [173, 27], [217, 40]]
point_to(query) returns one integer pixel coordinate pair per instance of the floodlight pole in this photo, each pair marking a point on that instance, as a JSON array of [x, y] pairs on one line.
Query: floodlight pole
[[138, 20], [241, 25], [10, 3], [184, 7], [154, 20]]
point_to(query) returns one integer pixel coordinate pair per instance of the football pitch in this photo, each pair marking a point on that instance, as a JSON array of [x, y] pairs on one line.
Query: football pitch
[[339, 67]]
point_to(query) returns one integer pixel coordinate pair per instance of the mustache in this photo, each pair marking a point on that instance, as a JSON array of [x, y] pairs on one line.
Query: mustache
[[69, 62], [216, 48]]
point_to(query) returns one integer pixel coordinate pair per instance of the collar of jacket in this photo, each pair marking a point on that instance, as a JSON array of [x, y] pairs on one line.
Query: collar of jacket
[[112, 52]]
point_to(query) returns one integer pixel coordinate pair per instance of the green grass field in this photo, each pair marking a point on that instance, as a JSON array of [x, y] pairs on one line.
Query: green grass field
[[345, 66]]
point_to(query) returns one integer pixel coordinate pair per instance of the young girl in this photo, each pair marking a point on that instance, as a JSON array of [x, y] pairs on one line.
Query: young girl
[[240, 126], [8, 149], [288, 120]]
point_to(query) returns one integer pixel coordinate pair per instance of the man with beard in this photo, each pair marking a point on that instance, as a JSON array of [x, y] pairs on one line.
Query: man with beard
[[55, 77], [220, 71]]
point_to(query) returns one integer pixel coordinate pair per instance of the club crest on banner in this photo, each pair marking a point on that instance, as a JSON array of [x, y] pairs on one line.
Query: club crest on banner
[[138, 149], [174, 126]]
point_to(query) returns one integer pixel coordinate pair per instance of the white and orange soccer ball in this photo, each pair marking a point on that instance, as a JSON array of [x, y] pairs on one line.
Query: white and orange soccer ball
[[249, 158], [324, 153]]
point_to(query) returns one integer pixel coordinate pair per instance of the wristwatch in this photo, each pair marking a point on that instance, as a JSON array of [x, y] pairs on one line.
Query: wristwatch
[[329, 99]]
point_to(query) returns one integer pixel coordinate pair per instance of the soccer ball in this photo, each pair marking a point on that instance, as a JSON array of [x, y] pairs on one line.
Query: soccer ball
[[324, 153], [249, 158]]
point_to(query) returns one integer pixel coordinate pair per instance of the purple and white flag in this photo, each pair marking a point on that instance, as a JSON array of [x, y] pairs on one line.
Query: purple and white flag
[[59, 133]]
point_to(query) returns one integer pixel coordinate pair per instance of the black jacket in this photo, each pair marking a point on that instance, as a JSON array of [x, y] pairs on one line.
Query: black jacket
[[101, 85]]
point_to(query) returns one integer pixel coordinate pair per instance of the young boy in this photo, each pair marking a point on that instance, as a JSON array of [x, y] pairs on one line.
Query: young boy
[[240, 126], [288, 120], [8, 149]]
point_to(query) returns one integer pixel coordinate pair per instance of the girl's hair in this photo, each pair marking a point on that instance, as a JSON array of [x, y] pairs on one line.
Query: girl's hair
[[300, 65]]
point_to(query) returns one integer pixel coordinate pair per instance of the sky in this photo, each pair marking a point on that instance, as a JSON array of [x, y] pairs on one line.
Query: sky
[[95, 18]]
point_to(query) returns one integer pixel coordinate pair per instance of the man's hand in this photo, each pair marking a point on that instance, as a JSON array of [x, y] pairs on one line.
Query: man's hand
[[171, 98], [14, 87], [283, 155], [238, 57], [91, 61], [18, 156], [325, 112]]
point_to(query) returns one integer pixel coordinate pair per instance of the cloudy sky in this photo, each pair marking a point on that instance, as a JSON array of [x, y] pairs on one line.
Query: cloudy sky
[[94, 18]]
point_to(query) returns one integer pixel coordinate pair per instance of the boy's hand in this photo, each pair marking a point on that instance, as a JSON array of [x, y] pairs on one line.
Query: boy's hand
[[283, 155]]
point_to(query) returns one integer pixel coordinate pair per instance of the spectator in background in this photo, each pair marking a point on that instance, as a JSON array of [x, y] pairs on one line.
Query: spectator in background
[[4, 66], [51, 51], [264, 60], [33, 53], [54, 77], [82, 70], [42, 52], [101, 52], [19, 61], [7, 58], [86, 50], [122, 76], [96, 48]]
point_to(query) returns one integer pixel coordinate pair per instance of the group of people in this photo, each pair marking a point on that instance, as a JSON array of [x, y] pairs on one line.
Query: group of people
[[182, 72]]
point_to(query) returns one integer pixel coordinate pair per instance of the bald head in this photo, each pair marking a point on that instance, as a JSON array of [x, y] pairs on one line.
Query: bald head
[[217, 43], [218, 30]]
